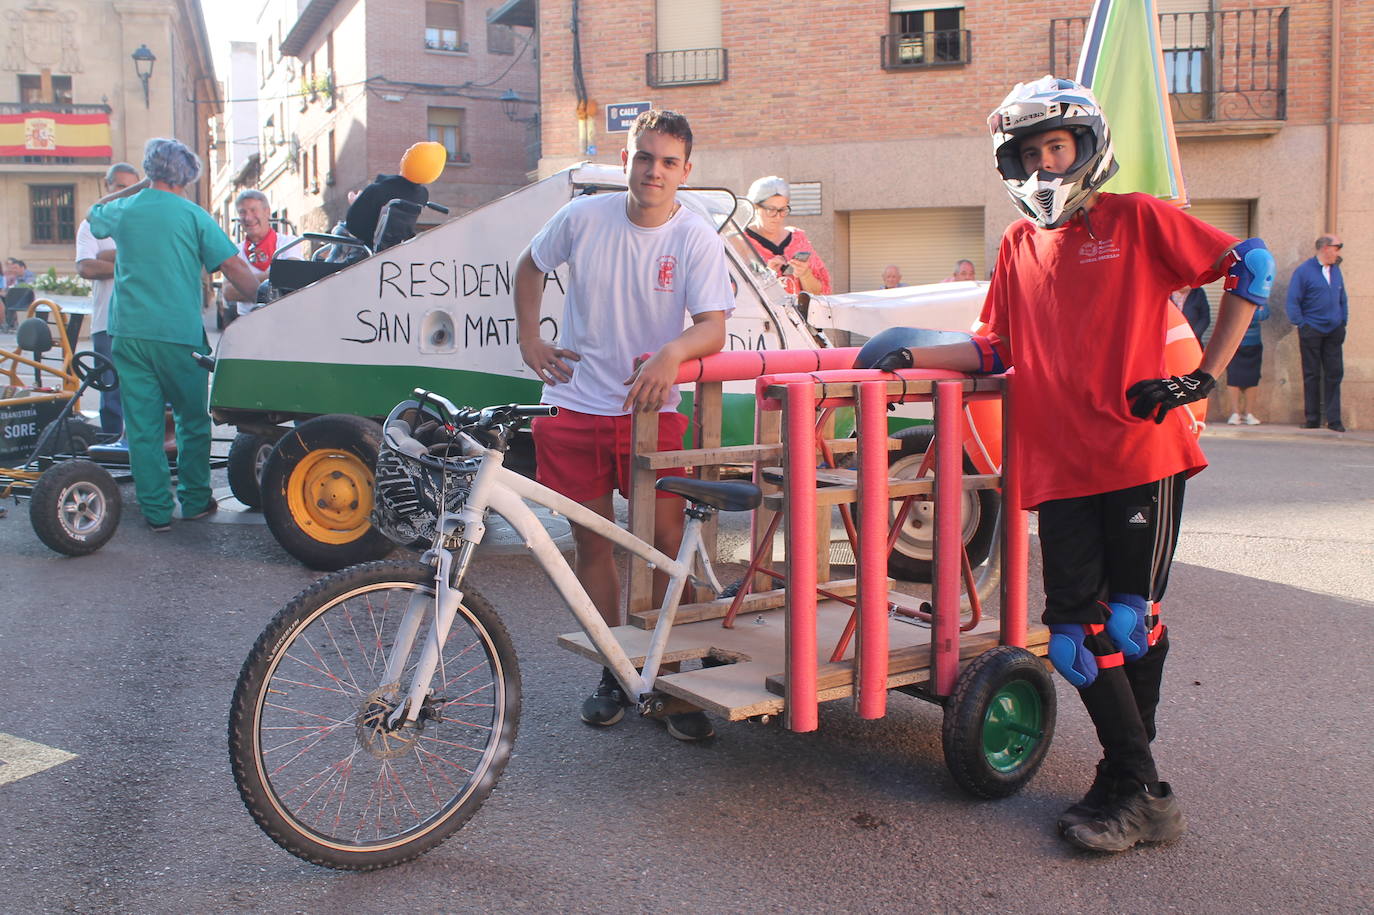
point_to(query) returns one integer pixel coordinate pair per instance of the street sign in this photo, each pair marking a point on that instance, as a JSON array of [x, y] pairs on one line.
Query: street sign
[[620, 117]]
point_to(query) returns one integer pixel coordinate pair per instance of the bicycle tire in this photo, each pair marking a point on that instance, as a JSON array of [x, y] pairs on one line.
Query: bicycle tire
[[404, 800]]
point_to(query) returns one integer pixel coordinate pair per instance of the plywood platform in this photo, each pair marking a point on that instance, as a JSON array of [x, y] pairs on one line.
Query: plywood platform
[[753, 683]]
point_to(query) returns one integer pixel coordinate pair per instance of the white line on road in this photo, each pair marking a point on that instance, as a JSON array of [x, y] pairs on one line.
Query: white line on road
[[20, 758]]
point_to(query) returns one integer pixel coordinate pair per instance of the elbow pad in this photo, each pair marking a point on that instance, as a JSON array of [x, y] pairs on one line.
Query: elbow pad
[[1251, 271], [990, 361]]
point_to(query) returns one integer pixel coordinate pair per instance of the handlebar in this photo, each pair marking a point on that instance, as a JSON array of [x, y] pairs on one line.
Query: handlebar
[[492, 425], [437, 207]]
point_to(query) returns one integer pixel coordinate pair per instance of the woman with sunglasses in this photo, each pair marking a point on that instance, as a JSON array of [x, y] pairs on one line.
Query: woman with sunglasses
[[785, 249]]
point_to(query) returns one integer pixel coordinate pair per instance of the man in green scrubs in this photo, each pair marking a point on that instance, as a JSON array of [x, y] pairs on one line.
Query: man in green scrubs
[[165, 242]]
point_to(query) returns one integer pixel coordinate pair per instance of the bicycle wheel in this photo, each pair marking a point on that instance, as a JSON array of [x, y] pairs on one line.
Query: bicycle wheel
[[314, 760]]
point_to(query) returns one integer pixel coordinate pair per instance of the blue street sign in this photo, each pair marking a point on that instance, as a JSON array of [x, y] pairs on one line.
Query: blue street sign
[[620, 117]]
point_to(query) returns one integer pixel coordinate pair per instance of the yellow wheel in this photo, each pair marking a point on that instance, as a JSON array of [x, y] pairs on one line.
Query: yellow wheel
[[317, 492]]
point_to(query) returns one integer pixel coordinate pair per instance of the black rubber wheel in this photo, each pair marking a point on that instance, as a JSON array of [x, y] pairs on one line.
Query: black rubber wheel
[[248, 455], [999, 723], [314, 761], [912, 556], [75, 507], [317, 492]]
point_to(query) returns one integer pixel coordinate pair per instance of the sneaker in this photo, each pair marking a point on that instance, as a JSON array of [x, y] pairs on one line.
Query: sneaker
[[1336, 426], [1093, 803], [1138, 816], [689, 726], [159, 527], [1311, 424], [205, 512], [1251, 420], [1234, 420], [606, 705]]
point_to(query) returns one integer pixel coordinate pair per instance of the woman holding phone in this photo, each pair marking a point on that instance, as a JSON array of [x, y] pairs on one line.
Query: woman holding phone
[[785, 249]]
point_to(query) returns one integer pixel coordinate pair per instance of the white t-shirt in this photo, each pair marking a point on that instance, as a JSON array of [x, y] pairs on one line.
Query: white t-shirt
[[627, 290], [87, 248], [295, 254]]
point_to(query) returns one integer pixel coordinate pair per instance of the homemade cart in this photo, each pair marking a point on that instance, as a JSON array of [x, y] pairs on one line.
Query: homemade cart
[[804, 638]]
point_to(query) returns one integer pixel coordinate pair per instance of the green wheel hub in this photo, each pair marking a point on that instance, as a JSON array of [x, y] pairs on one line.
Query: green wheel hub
[[1014, 724]]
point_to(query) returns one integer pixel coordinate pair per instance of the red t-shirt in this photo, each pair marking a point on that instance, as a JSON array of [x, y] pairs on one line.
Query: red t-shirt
[[1083, 317]]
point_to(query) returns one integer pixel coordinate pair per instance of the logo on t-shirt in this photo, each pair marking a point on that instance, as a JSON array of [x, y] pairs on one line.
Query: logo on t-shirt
[[667, 266], [1098, 250]]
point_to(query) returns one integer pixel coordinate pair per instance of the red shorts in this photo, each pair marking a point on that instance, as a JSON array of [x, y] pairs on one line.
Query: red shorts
[[585, 456]]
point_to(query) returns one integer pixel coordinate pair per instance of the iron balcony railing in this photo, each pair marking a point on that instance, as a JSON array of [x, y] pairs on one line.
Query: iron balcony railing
[[686, 68], [909, 50], [1230, 65]]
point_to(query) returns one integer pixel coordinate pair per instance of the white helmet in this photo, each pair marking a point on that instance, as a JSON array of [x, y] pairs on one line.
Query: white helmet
[[1047, 104]]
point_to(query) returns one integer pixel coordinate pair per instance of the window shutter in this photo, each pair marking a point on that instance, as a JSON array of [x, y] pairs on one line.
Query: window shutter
[[683, 25], [924, 243]]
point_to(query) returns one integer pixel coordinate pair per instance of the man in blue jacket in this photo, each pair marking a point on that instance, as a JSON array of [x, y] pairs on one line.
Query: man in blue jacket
[[1317, 304]]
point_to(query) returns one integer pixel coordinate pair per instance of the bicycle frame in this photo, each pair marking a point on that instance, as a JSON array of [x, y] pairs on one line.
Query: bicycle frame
[[507, 493]]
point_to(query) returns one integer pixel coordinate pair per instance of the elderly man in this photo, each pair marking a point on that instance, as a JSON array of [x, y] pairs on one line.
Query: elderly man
[[892, 276], [95, 260], [963, 272], [165, 243], [1318, 306], [17, 294], [261, 243]]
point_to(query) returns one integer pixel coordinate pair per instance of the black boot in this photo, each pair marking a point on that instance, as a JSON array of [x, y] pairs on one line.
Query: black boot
[[1141, 815], [1093, 804]]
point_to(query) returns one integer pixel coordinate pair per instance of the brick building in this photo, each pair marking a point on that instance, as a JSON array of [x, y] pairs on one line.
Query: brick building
[[345, 86], [73, 102], [876, 110]]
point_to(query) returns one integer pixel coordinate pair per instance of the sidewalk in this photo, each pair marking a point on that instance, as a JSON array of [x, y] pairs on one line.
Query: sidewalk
[[1278, 431]]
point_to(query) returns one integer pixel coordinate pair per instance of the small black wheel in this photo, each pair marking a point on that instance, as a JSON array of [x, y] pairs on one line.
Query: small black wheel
[[999, 723], [248, 455], [75, 507], [95, 369], [313, 753], [317, 492]]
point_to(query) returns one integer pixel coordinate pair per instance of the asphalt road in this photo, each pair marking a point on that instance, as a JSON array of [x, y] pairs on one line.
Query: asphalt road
[[127, 658]]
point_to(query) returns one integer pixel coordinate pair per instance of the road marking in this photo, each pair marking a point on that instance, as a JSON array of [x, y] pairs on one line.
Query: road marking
[[21, 758]]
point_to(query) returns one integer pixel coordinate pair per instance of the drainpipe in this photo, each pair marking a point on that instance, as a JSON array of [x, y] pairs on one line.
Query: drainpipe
[[1333, 123]]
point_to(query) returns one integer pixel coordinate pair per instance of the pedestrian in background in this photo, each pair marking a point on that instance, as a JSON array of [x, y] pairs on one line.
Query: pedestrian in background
[[165, 243], [1318, 307], [1243, 372], [786, 249], [892, 277], [95, 261], [1195, 307], [964, 272]]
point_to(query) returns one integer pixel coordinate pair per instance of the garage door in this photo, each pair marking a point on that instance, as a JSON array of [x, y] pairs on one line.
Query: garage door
[[924, 243], [1231, 216]]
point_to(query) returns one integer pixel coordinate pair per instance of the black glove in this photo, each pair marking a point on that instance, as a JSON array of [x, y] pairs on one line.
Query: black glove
[[897, 359], [1167, 393]]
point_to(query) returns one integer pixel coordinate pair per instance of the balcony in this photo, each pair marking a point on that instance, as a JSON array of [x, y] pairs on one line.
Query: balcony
[[49, 133], [922, 50], [1226, 72], [692, 67]]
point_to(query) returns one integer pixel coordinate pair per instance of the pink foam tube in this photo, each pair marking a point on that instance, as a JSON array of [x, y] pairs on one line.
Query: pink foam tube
[[1015, 536], [872, 559], [800, 711], [949, 466], [741, 365]]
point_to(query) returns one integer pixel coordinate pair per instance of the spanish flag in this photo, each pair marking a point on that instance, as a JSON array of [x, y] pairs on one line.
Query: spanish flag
[[1122, 63], [55, 133]]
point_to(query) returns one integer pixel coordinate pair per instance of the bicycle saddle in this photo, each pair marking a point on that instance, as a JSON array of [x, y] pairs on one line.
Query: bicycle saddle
[[726, 495]]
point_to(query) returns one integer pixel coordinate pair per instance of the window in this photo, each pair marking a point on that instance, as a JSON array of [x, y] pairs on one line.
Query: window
[[444, 25], [446, 127], [500, 38], [924, 35], [31, 90], [329, 175], [52, 213], [687, 44]]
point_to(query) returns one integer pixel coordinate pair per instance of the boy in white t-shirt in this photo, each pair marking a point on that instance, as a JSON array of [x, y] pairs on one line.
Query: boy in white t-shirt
[[636, 263]]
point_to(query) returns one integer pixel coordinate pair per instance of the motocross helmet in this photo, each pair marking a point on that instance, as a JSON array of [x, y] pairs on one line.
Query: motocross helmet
[[1049, 103]]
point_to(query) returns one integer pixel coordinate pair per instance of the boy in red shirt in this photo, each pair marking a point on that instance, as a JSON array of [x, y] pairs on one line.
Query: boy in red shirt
[[1078, 303]]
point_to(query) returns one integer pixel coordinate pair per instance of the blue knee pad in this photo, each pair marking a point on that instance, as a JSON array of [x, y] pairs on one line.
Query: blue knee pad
[[1070, 656], [1126, 625]]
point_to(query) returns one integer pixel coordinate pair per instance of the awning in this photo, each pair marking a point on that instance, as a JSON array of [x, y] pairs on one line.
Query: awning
[[305, 26], [515, 12]]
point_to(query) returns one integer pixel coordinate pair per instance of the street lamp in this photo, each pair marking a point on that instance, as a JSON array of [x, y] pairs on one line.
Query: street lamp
[[143, 66], [510, 100]]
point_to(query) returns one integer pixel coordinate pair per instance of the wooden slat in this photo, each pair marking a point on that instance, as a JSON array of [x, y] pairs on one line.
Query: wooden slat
[[639, 594], [849, 492], [708, 407], [836, 679], [754, 601], [736, 454]]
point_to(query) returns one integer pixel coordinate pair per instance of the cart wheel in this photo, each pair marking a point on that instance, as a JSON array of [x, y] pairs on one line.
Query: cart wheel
[[248, 456], [317, 492], [999, 722], [75, 507]]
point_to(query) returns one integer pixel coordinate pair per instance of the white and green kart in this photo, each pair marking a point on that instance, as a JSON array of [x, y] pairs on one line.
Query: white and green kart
[[306, 378]]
